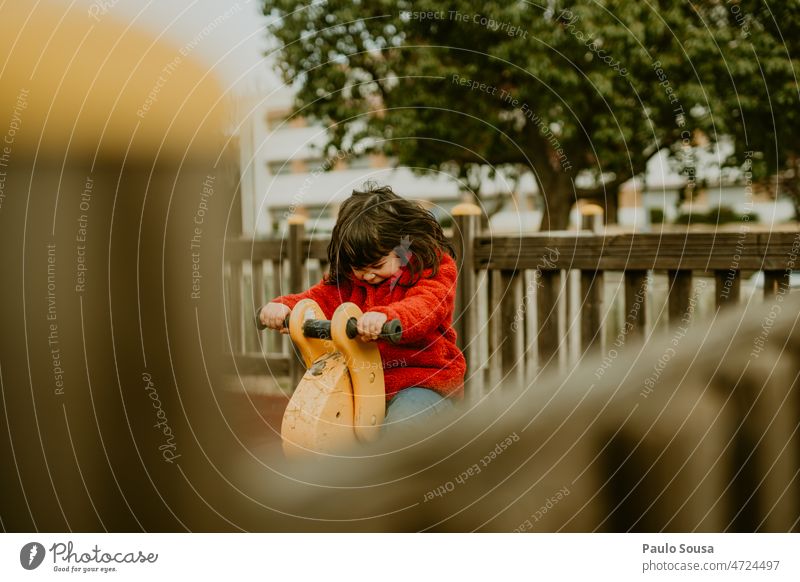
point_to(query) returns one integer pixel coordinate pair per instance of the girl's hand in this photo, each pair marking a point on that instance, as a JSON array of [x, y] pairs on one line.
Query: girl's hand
[[370, 325], [273, 314]]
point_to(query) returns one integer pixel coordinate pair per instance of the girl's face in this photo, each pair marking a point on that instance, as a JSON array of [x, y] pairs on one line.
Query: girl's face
[[379, 271]]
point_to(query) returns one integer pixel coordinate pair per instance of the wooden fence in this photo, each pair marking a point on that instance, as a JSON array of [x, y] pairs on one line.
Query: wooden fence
[[520, 299]]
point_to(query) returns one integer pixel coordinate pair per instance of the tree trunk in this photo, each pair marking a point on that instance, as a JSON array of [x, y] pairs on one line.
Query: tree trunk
[[611, 206], [558, 196], [605, 196]]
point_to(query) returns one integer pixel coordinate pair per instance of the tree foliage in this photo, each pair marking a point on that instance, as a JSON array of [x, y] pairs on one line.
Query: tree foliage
[[758, 91], [582, 94]]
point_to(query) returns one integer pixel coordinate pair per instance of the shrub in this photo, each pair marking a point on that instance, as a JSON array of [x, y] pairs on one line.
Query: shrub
[[656, 216], [719, 215]]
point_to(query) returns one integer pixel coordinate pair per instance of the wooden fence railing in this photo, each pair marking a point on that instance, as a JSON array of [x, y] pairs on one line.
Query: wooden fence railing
[[527, 302]]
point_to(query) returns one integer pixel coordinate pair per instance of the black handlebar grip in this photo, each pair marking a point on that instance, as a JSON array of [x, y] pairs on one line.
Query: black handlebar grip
[[392, 331], [317, 328], [259, 326]]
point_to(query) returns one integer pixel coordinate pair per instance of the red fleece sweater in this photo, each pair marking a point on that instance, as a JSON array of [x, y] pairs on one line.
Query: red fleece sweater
[[427, 355]]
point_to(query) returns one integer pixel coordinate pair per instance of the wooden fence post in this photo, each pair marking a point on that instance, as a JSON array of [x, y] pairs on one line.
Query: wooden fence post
[[276, 340], [466, 226], [635, 304], [773, 281], [547, 314], [512, 316], [591, 309], [257, 285], [680, 291], [495, 315], [235, 326], [296, 256], [591, 286], [591, 217], [727, 287]]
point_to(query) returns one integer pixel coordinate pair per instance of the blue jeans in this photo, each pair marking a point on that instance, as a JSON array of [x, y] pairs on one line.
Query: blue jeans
[[413, 408]]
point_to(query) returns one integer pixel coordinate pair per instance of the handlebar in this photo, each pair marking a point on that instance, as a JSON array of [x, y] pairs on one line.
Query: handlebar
[[391, 331]]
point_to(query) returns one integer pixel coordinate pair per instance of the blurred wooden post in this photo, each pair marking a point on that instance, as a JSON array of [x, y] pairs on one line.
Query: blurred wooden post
[[258, 301], [297, 230], [235, 327], [635, 304], [276, 340], [512, 315], [466, 226], [727, 296], [495, 328], [680, 290], [591, 285], [549, 284], [591, 308], [773, 280], [591, 217]]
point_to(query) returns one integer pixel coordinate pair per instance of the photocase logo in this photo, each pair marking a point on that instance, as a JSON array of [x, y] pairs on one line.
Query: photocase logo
[[31, 555]]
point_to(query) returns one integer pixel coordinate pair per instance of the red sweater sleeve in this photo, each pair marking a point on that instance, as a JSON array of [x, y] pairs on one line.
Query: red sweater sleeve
[[426, 305], [329, 297]]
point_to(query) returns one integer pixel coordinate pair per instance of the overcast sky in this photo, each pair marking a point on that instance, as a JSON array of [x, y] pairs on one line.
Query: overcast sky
[[226, 34]]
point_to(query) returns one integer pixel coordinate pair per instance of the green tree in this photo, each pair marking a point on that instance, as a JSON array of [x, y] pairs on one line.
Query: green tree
[[759, 45], [581, 94]]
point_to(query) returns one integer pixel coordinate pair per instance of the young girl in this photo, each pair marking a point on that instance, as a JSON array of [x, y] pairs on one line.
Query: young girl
[[390, 257]]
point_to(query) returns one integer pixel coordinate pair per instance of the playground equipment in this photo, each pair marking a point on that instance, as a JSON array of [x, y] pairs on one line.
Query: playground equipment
[[340, 401]]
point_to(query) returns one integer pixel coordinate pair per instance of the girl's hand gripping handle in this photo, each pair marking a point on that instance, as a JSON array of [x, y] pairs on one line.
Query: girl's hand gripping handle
[[273, 316]]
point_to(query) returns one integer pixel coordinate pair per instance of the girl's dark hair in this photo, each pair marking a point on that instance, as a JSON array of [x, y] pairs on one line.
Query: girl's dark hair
[[375, 222]]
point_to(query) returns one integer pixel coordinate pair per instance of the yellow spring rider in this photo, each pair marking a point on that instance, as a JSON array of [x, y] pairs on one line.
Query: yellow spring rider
[[340, 401]]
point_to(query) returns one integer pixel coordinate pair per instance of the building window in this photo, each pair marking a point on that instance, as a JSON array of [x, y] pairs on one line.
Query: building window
[[279, 168], [317, 165], [275, 118], [360, 163]]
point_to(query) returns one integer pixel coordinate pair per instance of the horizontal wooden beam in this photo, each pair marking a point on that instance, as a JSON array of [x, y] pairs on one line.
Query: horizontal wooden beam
[[701, 251], [692, 251], [269, 249]]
